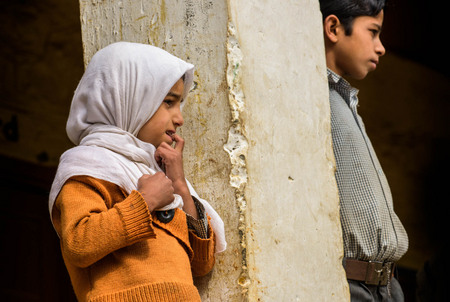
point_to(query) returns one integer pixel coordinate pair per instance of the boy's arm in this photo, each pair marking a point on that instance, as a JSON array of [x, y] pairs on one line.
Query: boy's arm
[[91, 227]]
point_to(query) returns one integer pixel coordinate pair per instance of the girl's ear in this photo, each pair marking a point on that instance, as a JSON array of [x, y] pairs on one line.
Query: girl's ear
[[331, 28]]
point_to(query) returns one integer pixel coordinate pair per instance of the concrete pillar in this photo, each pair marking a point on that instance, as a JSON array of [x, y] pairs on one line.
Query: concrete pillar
[[257, 133]]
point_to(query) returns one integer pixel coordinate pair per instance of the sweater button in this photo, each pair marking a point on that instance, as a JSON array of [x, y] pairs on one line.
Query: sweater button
[[165, 216]]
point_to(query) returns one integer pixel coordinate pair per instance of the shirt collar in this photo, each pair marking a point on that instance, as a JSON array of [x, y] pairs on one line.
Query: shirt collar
[[338, 83], [332, 76]]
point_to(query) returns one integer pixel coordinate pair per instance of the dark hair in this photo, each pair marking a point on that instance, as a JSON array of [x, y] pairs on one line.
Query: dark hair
[[348, 10]]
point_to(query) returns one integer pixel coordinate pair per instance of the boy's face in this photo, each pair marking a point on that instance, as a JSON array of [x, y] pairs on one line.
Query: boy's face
[[164, 123], [358, 54]]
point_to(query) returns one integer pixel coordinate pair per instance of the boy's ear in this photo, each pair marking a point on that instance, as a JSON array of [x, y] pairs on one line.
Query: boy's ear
[[331, 28]]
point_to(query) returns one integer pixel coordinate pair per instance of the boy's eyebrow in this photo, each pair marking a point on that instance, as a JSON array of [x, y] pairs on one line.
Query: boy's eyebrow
[[378, 26]]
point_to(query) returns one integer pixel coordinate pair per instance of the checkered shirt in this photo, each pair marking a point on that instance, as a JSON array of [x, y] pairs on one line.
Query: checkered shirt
[[200, 225], [371, 229]]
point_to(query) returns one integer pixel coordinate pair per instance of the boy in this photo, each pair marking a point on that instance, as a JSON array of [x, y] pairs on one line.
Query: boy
[[374, 238]]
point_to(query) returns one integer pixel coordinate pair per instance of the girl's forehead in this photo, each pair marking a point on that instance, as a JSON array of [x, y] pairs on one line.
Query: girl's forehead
[[177, 89]]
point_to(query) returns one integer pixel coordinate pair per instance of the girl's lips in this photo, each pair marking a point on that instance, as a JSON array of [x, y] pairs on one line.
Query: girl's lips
[[171, 134]]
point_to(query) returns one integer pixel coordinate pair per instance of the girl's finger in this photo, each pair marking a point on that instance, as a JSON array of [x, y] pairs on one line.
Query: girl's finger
[[164, 145], [158, 156], [179, 143]]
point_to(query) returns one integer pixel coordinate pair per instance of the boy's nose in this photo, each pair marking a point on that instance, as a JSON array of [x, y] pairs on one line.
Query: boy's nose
[[379, 48]]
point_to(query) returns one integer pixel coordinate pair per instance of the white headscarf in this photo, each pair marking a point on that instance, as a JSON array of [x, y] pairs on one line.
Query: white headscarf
[[122, 87]]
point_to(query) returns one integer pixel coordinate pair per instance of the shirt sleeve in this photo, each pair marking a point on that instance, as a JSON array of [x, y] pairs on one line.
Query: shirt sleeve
[[200, 225]]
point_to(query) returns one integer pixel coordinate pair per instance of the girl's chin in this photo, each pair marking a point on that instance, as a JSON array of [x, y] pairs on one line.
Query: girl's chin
[[169, 140]]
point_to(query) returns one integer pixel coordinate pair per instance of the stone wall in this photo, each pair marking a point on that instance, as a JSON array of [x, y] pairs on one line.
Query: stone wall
[[258, 136]]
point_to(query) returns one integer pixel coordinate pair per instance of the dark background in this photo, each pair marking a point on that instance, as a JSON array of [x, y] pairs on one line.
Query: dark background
[[41, 62]]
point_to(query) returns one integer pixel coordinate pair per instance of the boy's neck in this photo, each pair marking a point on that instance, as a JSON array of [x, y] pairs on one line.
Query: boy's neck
[[331, 63], [333, 70]]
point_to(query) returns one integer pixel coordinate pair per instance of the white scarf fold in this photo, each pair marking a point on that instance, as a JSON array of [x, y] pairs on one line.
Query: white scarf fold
[[122, 87]]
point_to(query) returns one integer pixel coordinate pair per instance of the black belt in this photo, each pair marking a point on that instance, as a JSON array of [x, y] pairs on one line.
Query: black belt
[[370, 272]]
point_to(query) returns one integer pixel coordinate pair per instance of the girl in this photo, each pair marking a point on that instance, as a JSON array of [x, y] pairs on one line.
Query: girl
[[131, 226]]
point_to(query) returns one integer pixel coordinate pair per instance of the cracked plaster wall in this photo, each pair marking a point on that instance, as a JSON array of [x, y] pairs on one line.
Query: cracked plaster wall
[[257, 135], [293, 239]]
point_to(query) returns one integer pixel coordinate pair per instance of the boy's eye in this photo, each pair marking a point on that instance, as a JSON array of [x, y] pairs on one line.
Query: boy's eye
[[374, 32]]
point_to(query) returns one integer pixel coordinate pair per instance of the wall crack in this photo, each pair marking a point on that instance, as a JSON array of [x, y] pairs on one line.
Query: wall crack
[[237, 144]]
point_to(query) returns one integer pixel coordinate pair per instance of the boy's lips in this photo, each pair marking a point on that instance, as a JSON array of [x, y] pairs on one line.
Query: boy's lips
[[374, 63]]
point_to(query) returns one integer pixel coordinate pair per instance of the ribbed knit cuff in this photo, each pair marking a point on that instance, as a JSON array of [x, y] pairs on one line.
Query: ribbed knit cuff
[[136, 217], [203, 248]]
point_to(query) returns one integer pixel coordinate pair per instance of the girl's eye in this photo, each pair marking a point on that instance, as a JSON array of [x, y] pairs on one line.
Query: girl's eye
[[169, 102]]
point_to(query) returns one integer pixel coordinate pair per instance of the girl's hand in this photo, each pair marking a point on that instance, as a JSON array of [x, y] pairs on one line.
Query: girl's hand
[[156, 189], [170, 159]]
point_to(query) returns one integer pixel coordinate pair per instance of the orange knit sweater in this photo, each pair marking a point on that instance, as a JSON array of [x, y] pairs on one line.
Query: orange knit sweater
[[115, 250]]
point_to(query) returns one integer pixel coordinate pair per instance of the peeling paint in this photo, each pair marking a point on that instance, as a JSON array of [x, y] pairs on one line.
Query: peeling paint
[[237, 145]]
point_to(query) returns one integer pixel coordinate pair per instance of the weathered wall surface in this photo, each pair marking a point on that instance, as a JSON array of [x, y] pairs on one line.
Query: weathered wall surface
[[293, 236], [257, 133]]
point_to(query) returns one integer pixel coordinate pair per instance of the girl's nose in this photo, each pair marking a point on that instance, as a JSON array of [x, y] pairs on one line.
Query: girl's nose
[[178, 118]]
